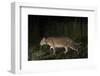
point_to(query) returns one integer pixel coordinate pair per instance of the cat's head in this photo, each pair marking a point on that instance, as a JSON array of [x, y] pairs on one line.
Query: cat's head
[[43, 41]]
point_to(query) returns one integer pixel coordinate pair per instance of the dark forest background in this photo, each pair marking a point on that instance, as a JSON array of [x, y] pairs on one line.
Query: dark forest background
[[40, 26]]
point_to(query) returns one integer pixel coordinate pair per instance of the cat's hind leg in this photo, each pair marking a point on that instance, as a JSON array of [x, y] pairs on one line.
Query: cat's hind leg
[[66, 50], [54, 50], [75, 50]]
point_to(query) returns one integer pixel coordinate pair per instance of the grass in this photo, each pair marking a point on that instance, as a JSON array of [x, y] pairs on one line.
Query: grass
[[44, 53]]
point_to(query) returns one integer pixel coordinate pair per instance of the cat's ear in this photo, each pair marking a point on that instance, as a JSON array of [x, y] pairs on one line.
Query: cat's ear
[[44, 38]]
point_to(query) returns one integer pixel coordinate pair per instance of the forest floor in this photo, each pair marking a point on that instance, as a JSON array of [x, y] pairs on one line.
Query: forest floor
[[44, 53]]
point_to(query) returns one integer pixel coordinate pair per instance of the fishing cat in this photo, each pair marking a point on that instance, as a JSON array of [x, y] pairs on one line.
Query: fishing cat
[[60, 42]]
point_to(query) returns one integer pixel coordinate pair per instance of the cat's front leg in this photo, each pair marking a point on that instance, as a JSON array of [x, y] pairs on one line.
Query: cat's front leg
[[54, 50], [66, 50]]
